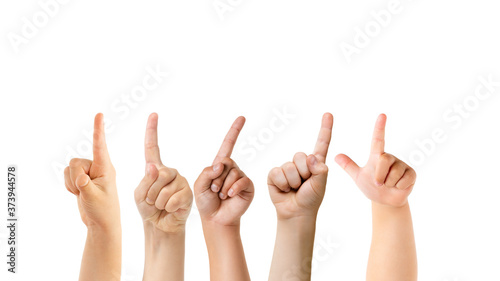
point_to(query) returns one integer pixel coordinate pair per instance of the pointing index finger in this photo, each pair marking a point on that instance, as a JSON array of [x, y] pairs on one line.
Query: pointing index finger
[[100, 149], [151, 148], [324, 137], [378, 140], [230, 140]]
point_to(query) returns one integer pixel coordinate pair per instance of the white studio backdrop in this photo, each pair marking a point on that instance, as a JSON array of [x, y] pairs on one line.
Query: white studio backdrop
[[431, 66]]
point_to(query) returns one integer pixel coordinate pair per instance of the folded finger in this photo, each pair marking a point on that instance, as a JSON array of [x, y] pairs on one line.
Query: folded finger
[[204, 181], [183, 199], [300, 161], [292, 175], [382, 169], [147, 181], [68, 183], [233, 175], [165, 176], [277, 178], [408, 180], [396, 172]]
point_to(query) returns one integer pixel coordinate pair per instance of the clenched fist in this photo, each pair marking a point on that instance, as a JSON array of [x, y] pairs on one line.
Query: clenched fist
[[163, 197], [94, 184], [223, 192], [297, 188], [384, 179]]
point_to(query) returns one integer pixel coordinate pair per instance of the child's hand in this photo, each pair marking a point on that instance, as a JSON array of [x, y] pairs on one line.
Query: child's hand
[[297, 188], [94, 184], [384, 179], [223, 192], [163, 197]]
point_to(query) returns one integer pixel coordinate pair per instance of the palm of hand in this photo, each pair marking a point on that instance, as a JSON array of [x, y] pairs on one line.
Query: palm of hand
[[385, 195], [384, 179]]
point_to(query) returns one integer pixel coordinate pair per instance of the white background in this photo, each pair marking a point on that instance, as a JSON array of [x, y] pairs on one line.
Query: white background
[[260, 57]]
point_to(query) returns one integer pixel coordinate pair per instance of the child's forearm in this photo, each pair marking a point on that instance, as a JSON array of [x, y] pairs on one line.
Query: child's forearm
[[293, 249], [164, 257], [102, 255], [392, 255], [225, 251]]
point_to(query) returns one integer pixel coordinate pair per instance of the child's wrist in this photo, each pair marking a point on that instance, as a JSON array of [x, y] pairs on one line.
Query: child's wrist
[[104, 229], [389, 207], [301, 216], [151, 231], [108, 233], [209, 223], [298, 222], [211, 226]]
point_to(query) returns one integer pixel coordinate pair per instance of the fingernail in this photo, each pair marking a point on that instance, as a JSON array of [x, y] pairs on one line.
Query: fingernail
[[378, 183], [150, 169], [222, 196], [230, 193], [84, 184], [149, 201], [313, 160], [214, 188], [216, 167]]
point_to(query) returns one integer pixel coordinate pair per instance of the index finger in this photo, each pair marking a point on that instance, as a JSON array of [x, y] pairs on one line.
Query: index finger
[[324, 137], [151, 148], [378, 139], [99, 147], [230, 140]]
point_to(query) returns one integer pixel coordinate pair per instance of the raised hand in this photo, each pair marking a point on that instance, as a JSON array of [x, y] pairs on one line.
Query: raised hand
[[94, 183], [223, 192], [163, 197], [384, 179], [297, 188]]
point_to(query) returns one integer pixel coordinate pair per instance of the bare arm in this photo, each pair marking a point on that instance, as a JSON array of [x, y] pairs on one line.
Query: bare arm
[[102, 255], [393, 256]]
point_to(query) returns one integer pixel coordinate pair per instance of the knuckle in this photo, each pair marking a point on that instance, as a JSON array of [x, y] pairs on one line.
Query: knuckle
[[207, 170], [326, 169], [150, 193], [274, 172], [74, 162], [299, 155], [399, 168], [386, 158], [227, 161], [158, 205], [288, 166], [174, 202], [163, 174]]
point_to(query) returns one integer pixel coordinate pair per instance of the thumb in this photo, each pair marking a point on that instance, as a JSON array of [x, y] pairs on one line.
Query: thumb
[[318, 169], [84, 184], [348, 165], [204, 181]]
